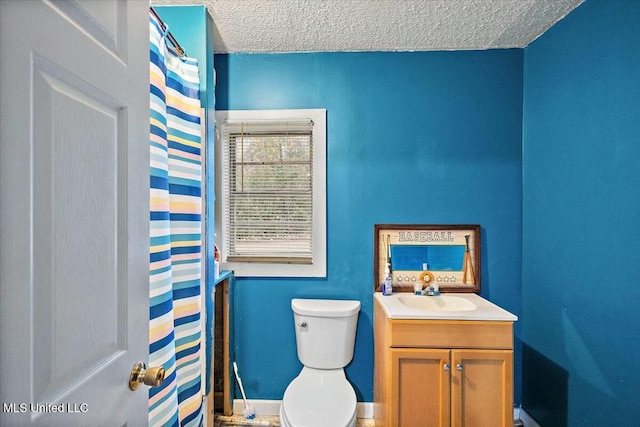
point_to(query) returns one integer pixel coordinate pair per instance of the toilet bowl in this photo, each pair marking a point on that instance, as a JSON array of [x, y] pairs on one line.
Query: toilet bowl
[[321, 395], [319, 398]]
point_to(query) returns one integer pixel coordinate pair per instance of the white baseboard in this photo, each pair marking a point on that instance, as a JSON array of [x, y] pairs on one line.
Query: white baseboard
[[525, 418], [271, 408], [365, 410], [265, 408]]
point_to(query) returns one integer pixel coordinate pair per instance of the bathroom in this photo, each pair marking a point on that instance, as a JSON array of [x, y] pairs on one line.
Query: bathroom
[[538, 145]]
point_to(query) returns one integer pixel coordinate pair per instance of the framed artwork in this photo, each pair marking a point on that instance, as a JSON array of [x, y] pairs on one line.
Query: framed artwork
[[446, 255]]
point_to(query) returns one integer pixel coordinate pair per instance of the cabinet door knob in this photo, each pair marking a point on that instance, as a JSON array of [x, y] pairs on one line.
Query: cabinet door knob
[[459, 366], [446, 367]]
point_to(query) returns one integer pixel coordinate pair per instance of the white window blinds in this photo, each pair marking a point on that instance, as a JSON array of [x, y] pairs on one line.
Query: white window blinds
[[268, 187]]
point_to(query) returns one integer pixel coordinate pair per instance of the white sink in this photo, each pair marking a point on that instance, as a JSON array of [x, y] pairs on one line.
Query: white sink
[[437, 303], [458, 306]]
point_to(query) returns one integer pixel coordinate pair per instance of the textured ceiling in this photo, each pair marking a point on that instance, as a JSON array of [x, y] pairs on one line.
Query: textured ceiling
[[378, 25]]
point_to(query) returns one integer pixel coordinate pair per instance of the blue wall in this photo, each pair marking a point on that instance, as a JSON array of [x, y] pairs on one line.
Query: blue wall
[[424, 137], [581, 191]]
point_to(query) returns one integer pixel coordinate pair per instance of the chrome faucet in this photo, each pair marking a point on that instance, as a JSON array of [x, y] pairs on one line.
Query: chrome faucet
[[430, 290]]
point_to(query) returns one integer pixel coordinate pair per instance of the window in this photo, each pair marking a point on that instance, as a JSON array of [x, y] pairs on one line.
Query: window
[[271, 190]]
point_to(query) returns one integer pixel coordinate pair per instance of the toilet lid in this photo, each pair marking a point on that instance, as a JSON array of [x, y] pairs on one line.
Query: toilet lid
[[319, 402]]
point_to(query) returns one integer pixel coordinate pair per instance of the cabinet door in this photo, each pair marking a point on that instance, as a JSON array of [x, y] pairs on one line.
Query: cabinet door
[[420, 388], [481, 388]]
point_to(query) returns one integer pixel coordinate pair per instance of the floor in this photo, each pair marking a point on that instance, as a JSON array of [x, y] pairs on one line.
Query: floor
[[239, 421]]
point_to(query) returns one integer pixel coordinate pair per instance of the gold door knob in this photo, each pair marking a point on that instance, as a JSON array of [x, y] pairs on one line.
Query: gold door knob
[[152, 377]]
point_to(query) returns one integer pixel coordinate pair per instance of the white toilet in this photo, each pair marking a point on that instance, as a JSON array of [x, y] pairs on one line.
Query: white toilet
[[321, 395]]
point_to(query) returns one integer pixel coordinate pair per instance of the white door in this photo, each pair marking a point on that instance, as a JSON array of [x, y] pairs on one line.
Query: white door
[[74, 209]]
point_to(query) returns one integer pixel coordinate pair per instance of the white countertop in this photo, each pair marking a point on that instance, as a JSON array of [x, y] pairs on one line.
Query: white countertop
[[483, 310]]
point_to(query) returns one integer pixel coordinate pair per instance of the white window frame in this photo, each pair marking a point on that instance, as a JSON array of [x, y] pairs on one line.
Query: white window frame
[[318, 267]]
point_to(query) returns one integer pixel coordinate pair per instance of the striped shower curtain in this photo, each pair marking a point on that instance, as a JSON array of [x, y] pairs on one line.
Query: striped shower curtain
[[175, 334]]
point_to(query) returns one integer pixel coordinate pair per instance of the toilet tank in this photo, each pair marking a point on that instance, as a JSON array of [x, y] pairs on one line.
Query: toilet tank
[[325, 331]]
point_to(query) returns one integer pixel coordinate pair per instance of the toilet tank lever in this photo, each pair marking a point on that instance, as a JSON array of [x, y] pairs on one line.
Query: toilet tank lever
[[302, 324]]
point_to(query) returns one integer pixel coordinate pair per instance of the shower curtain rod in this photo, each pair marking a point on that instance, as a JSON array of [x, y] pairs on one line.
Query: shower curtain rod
[[172, 39]]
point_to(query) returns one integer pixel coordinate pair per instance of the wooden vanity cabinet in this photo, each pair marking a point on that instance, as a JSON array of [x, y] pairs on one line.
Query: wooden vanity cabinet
[[442, 373]]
